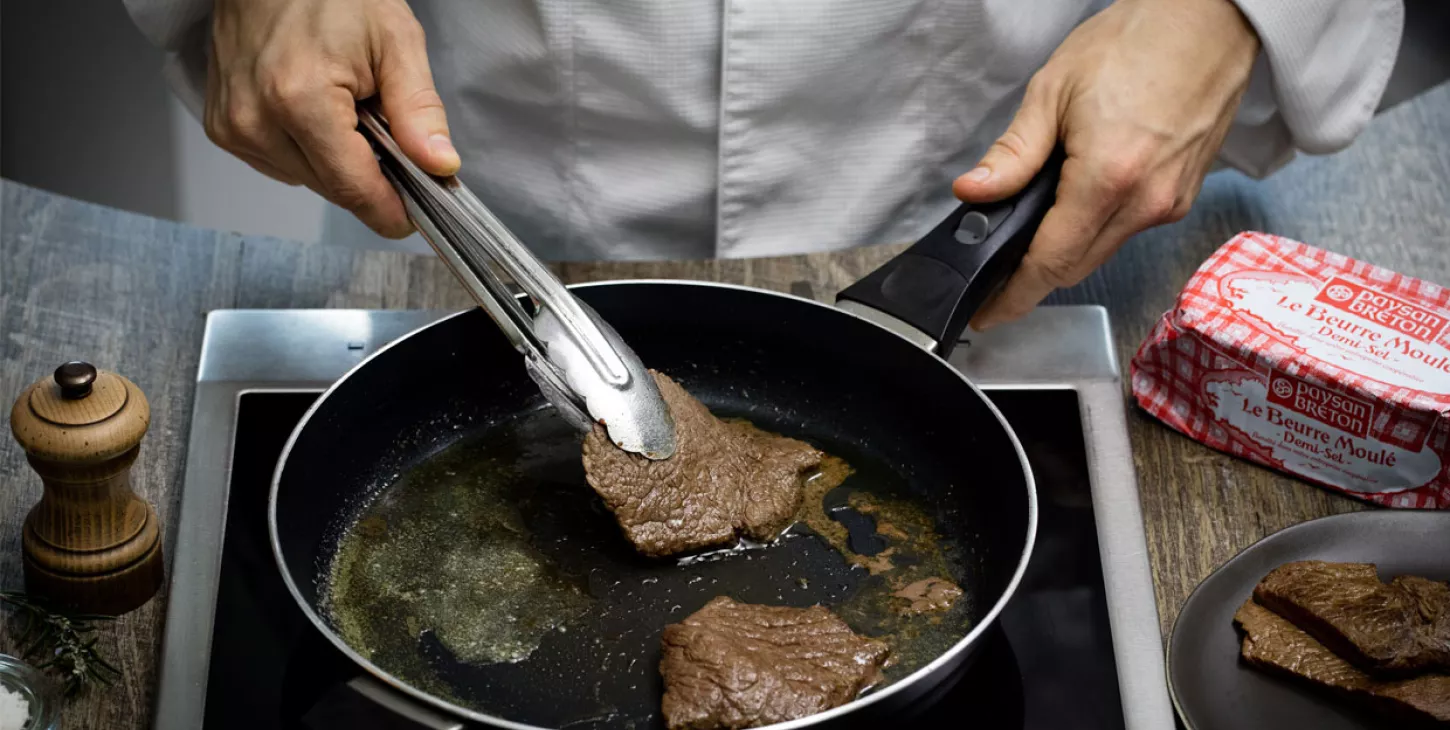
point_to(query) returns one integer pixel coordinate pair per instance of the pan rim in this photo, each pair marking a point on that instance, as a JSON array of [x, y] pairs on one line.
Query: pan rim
[[948, 657]]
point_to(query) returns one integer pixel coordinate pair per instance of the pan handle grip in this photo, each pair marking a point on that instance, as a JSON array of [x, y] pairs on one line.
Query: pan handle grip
[[936, 286]]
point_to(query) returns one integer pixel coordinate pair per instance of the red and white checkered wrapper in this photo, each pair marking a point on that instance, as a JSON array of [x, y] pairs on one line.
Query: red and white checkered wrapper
[[1311, 363]]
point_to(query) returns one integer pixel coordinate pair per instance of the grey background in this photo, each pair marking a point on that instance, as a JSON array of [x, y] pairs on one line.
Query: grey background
[[84, 112]]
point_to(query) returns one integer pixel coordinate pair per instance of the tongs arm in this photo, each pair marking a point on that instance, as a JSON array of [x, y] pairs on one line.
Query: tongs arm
[[579, 362]]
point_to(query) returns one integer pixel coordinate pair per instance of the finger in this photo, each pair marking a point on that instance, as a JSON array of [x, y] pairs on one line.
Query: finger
[[266, 168], [283, 155], [1153, 203], [324, 126], [1056, 255], [243, 128], [410, 101], [215, 96], [1017, 155], [1125, 223]]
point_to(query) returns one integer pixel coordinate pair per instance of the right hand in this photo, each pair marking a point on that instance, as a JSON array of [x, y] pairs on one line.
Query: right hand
[[282, 84]]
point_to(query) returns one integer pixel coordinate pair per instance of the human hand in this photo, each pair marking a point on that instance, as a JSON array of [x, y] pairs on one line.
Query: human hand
[[1141, 96], [282, 84]]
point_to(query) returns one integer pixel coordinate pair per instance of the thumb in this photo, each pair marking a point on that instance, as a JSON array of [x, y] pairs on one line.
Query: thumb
[[1015, 157], [412, 106]]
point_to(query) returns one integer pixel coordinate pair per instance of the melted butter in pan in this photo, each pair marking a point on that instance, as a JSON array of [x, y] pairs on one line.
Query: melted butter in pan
[[444, 551]]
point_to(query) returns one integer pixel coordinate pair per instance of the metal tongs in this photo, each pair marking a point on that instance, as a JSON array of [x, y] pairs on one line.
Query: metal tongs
[[579, 362]]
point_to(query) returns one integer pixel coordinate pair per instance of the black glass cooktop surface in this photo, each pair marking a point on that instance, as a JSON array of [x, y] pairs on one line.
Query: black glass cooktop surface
[[1048, 664]]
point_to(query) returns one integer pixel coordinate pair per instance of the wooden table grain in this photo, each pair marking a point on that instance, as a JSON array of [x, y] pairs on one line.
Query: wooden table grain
[[129, 293]]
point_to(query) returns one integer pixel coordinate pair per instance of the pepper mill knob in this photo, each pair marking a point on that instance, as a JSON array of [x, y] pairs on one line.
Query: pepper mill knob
[[90, 544], [75, 379]]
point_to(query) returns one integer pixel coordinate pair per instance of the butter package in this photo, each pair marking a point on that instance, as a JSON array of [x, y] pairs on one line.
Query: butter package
[[1311, 363]]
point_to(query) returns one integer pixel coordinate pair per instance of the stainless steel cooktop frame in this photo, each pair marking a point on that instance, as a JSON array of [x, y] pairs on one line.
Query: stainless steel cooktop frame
[[1054, 348]]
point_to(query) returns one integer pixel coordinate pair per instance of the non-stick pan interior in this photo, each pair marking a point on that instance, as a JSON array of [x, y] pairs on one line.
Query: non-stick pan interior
[[906, 423]]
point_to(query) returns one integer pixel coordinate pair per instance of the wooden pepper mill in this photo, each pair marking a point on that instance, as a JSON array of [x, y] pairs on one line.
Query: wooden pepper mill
[[90, 544]]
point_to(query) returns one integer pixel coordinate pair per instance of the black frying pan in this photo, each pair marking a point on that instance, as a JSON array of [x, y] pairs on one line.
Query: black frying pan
[[436, 464]]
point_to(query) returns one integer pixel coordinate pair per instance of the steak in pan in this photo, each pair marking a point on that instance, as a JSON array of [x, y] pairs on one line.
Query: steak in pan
[[726, 479], [734, 665]]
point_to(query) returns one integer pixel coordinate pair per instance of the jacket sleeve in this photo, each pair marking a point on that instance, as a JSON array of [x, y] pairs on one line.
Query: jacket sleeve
[[1318, 79], [181, 28]]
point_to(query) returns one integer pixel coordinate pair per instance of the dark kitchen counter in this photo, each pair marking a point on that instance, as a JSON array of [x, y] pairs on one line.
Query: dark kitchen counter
[[129, 293]]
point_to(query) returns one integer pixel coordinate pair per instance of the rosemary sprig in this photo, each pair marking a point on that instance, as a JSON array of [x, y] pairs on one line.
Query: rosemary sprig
[[65, 640]]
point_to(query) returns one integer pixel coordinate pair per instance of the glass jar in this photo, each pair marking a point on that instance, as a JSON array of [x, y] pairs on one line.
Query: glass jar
[[38, 690]]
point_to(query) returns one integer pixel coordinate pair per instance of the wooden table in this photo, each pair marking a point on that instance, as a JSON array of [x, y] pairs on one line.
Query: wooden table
[[129, 293]]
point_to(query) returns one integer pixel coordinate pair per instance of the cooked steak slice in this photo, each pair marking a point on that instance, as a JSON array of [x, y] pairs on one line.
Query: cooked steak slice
[[735, 665], [1432, 599], [1384, 629], [725, 479], [1272, 643]]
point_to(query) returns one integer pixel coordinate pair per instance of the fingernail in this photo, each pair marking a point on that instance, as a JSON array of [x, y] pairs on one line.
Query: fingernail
[[979, 174], [440, 145]]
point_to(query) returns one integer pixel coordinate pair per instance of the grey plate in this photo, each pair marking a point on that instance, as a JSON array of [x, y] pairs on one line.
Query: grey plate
[[1213, 690]]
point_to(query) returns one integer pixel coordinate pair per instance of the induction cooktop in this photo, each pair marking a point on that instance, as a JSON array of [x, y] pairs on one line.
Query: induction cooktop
[[1078, 647]]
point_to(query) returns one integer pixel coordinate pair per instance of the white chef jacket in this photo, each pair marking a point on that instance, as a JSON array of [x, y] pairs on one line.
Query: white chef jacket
[[653, 129]]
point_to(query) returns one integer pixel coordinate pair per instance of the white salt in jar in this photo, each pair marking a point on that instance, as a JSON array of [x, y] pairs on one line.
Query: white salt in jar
[[28, 700]]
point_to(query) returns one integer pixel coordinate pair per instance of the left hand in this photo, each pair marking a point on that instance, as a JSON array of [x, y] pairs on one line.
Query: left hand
[[1141, 96]]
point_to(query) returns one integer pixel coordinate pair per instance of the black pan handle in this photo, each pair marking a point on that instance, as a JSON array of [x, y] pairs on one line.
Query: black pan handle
[[943, 279]]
